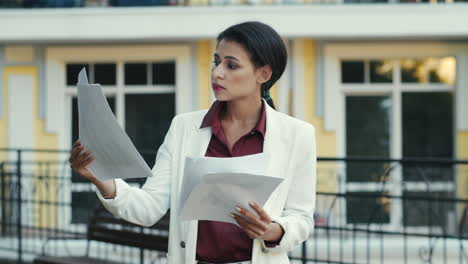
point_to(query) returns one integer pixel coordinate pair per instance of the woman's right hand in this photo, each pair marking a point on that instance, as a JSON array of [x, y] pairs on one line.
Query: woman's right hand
[[79, 160]]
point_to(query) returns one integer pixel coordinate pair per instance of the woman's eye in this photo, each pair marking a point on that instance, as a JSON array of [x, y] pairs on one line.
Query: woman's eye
[[231, 66]]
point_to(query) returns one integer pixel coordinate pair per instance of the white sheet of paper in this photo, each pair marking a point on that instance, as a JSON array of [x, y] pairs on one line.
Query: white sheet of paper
[[213, 187], [115, 155]]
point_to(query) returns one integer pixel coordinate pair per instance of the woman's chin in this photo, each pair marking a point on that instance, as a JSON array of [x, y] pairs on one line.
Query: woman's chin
[[220, 97]]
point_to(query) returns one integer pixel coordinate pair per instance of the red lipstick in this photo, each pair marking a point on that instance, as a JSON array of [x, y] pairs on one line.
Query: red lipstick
[[217, 87]]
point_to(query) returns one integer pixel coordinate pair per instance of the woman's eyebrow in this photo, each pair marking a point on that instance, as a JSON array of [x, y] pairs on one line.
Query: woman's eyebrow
[[227, 57]]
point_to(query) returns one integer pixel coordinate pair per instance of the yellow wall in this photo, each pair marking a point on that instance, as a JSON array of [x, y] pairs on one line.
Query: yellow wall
[[45, 190], [204, 73], [4, 118], [462, 181], [326, 141], [19, 54], [274, 93]]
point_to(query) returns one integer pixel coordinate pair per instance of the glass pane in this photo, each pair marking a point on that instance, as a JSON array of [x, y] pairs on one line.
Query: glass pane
[[136, 74], [83, 205], [367, 207], [381, 71], [427, 132], [352, 71], [147, 120], [105, 73], [433, 70], [141, 2], [442, 70], [164, 73], [418, 210], [367, 134], [412, 71], [72, 72], [365, 1], [75, 131]]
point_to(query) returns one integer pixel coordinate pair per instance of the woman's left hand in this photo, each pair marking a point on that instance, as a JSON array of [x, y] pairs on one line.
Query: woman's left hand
[[258, 227]]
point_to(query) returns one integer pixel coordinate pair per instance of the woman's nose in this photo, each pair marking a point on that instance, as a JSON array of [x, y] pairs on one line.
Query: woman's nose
[[217, 72]]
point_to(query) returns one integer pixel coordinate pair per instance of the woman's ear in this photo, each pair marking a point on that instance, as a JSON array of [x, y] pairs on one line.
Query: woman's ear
[[264, 74]]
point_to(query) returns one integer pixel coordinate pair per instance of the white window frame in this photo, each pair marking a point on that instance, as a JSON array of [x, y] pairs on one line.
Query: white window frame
[[336, 92], [59, 95]]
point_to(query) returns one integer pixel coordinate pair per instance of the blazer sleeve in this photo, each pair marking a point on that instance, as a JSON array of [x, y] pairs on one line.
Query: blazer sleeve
[[297, 218], [145, 206]]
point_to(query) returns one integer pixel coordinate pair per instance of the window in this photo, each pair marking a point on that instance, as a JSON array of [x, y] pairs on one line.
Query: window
[[352, 72], [143, 100], [367, 120], [72, 71], [398, 108], [105, 73], [428, 70]]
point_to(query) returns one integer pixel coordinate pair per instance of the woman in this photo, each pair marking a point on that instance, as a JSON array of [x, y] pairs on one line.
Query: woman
[[250, 57]]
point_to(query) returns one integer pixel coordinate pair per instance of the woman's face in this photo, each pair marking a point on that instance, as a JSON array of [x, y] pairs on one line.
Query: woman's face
[[233, 75]]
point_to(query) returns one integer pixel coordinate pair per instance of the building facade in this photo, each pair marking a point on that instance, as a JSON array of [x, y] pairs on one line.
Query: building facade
[[383, 80]]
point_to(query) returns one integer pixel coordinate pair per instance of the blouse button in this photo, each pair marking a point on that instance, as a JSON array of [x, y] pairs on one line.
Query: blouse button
[[182, 244]]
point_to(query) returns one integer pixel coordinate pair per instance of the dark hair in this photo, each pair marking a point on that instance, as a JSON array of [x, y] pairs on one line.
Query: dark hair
[[264, 46]]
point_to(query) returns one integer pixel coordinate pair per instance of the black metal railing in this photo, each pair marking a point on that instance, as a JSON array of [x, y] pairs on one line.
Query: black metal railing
[[146, 3], [367, 211]]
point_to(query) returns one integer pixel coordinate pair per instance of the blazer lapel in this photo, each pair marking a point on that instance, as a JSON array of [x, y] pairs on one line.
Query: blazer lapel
[[274, 144], [201, 138]]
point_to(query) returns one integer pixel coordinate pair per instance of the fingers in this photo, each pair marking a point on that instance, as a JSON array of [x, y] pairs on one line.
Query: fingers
[[77, 143], [252, 230], [77, 149], [260, 222], [83, 159], [87, 161], [263, 215], [254, 226], [80, 160], [74, 154]]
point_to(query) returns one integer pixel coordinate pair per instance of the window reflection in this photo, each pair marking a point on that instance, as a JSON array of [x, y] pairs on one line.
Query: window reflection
[[412, 71], [432, 70], [442, 70], [381, 71], [363, 208]]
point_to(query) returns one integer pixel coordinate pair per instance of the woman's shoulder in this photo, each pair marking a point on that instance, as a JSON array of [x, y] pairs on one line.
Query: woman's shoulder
[[294, 123], [190, 117]]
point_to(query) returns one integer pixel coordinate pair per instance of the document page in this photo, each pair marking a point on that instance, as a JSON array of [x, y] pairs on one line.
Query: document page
[[213, 187], [99, 131]]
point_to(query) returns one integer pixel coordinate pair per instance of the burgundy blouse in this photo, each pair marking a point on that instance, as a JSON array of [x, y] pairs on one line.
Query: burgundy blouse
[[220, 242]]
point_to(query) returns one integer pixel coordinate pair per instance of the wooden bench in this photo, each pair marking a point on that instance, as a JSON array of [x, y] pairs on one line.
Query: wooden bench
[[104, 227]]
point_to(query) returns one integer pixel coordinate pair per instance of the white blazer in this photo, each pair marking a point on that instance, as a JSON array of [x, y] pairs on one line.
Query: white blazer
[[291, 146]]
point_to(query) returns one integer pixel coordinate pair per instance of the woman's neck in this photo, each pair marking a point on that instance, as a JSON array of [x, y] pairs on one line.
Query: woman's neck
[[244, 112]]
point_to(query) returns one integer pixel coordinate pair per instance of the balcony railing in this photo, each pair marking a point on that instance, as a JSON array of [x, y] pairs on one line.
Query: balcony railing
[[367, 211], [143, 3]]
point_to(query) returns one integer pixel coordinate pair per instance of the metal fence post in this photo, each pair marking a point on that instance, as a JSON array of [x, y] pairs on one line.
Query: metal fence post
[[2, 186], [18, 222], [304, 253]]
